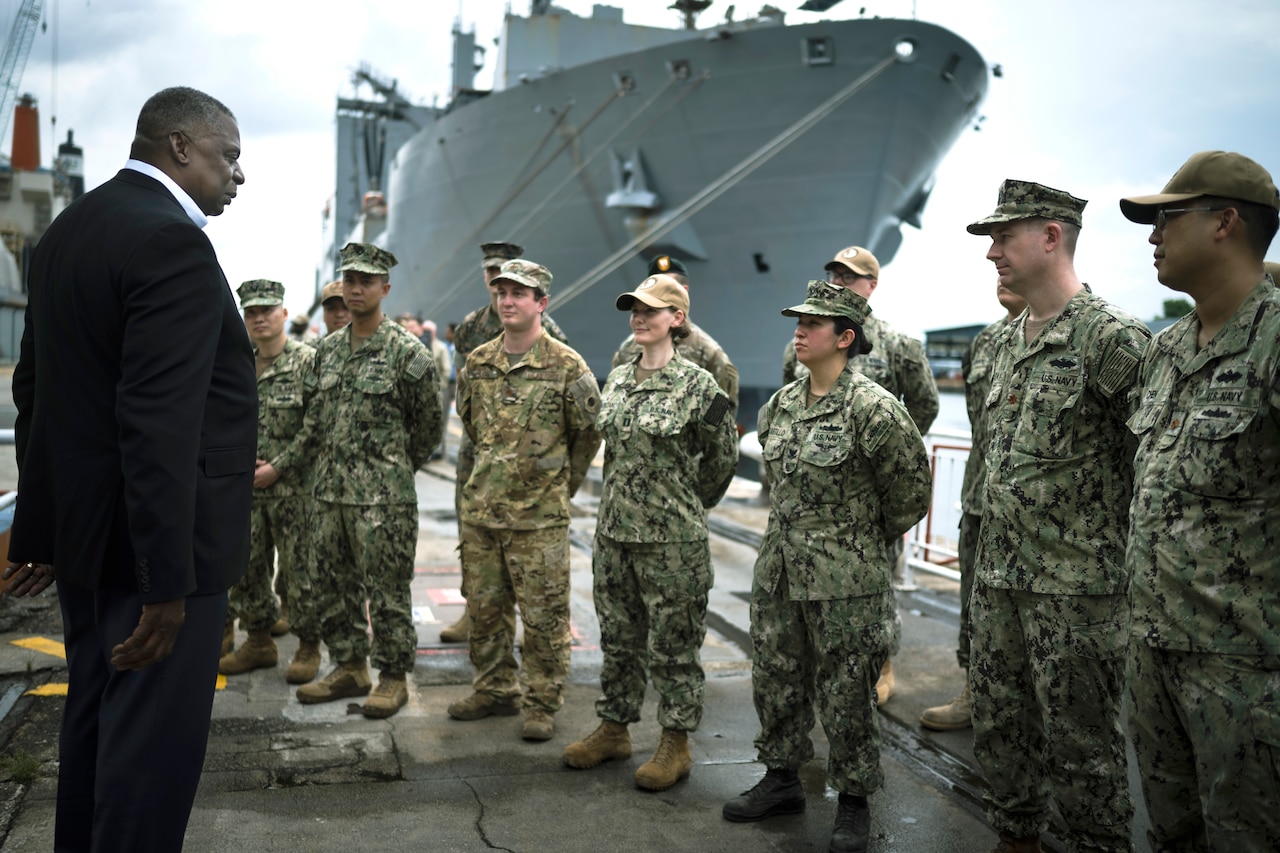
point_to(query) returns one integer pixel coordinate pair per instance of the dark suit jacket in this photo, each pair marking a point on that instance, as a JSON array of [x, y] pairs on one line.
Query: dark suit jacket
[[137, 401]]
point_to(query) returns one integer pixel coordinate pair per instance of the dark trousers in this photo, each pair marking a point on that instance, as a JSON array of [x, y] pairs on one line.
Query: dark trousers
[[133, 743]]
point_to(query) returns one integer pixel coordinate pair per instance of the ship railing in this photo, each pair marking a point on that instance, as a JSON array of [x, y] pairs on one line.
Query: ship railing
[[932, 545]]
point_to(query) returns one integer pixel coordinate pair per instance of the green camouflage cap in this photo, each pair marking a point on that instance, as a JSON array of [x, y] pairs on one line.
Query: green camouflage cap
[[366, 257], [260, 291], [495, 254], [1024, 200], [526, 272], [825, 299], [1218, 173]]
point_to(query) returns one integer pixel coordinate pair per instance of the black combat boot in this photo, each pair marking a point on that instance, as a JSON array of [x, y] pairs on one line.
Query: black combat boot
[[779, 792], [853, 825]]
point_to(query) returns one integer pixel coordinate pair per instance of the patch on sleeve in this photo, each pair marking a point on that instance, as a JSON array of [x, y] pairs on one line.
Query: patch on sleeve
[[717, 410], [876, 431], [1118, 370], [586, 394], [418, 366]]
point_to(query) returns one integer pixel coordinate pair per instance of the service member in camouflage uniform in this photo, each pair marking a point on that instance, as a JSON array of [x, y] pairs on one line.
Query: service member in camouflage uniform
[[480, 327], [281, 519], [697, 346], [898, 364], [670, 452], [976, 367], [849, 474], [529, 404], [376, 421], [335, 310], [1204, 535], [1049, 617]]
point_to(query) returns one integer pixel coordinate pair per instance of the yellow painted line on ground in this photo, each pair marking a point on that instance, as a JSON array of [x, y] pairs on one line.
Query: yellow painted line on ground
[[220, 683], [48, 690], [43, 645]]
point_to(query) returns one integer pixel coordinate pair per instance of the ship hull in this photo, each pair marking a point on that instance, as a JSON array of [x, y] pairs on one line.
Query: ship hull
[[536, 164]]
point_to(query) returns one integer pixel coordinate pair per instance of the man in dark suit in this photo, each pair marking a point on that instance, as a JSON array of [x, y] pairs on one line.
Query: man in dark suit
[[136, 433]]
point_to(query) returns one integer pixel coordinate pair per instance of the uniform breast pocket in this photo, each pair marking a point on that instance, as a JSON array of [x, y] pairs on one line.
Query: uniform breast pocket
[[656, 431], [375, 399], [283, 414], [1046, 427], [820, 457], [1221, 453]]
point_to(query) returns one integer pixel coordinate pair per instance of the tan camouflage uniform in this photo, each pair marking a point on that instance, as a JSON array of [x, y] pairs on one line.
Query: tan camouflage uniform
[[978, 364], [377, 420], [670, 452], [480, 327], [281, 516], [896, 363], [1204, 553], [1049, 617], [533, 427], [699, 348]]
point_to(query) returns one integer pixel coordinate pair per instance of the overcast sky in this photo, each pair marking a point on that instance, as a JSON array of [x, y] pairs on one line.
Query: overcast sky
[[1102, 98]]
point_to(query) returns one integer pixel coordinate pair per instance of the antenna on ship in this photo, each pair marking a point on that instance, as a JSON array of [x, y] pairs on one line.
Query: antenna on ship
[[690, 9]]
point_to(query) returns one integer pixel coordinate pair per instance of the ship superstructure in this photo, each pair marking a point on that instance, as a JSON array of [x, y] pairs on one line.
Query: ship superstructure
[[751, 150]]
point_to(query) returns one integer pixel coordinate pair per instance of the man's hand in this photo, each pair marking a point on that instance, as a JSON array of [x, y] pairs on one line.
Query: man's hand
[[27, 579], [264, 475], [152, 641]]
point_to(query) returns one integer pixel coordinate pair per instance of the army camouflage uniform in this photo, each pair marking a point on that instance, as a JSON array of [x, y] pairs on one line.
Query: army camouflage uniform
[[977, 366], [377, 420], [533, 426], [699, 348], [848, 475], [1049, 617], [479, 327], [670, 452], [1204, 553], [281, 517], [896, 363]]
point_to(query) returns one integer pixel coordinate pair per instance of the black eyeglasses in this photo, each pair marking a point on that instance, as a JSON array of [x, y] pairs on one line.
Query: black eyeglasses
[[1164, 214], [841, 276]]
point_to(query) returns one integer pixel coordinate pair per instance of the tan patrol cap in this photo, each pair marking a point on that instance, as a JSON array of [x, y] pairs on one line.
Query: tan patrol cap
[[1218, 173], [656, 291], [526, 272], [331, 290], [857, 259]]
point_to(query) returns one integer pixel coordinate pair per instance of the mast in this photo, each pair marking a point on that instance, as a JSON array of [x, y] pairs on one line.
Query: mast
[[690, 9]]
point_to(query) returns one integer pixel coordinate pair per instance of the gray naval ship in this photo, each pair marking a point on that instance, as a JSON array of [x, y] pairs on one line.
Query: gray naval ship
[[750, 149]]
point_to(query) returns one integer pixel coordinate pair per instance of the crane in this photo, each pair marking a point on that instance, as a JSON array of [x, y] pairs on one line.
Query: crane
[[14, 60]]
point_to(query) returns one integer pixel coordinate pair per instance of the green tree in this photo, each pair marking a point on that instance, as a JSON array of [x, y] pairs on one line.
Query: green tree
[[1175, 308]]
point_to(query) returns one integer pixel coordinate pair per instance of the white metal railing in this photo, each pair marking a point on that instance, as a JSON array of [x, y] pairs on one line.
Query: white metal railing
[[930, 546]]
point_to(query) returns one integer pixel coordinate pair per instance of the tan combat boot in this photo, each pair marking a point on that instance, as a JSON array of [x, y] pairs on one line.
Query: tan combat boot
[[346, 679], [258, 652], [281, 626], [538, 725], [610, 740], [477, 706], [1013, 844], [306, 662], [956, 714], [670, 762], [886, 685], [228, 637], [458, 632], [389, 696]]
